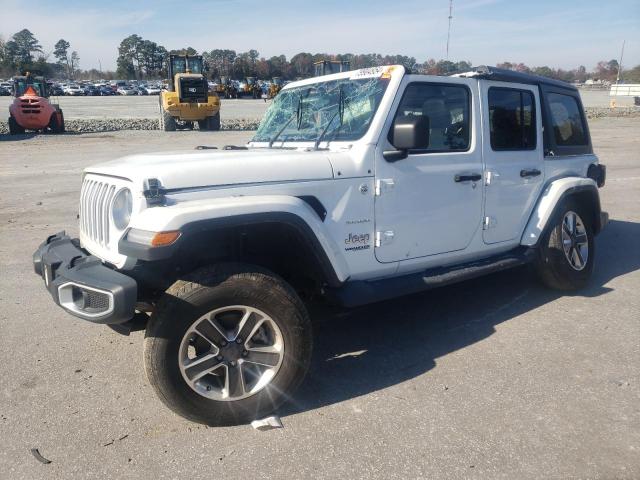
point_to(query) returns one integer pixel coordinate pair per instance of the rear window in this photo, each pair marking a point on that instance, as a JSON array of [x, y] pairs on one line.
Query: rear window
[[512, 119], [566, 120]]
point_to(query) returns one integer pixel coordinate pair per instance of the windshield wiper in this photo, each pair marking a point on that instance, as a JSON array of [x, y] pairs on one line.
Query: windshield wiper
[[340, 112], [297, 115]]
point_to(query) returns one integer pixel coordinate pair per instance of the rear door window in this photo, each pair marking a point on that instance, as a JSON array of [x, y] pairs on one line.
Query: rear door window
[[566, 120], [512, 119]]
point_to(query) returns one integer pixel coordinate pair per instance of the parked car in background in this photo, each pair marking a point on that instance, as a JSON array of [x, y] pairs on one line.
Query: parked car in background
[[91, 90], [73, 90], [152, 90], [141, 89], [4, 92], [106, 91], [126, 90], [56, 89]]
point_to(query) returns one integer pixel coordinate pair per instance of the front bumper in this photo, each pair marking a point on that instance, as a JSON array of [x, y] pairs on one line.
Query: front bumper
[[81, 284]]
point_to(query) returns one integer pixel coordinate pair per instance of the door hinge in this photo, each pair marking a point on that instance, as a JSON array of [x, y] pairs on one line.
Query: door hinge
[[384, 185], [490, 177], [384, 238], [489, 222]]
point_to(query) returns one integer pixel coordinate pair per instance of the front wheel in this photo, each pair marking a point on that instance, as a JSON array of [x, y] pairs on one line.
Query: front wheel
[[167, 122], [567, 250], [228, 344], [14, 127]]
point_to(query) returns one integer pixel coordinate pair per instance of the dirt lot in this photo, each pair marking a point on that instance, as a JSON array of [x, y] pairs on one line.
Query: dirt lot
[[494, 378]]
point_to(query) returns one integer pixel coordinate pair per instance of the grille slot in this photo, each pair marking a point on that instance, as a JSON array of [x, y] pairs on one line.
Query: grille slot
[[95, 204]]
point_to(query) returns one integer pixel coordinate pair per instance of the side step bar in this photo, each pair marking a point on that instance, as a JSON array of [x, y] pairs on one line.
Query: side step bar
[[362, 292]]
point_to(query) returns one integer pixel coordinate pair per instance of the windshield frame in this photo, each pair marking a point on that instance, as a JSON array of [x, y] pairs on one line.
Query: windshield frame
[[392, 75]]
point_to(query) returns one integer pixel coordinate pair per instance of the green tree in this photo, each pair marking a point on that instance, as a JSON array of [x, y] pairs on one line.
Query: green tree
[[61, 52], [20, 49]]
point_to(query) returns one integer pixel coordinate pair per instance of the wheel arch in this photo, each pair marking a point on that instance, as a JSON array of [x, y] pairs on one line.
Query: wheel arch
[[290, 233], [584, 190]]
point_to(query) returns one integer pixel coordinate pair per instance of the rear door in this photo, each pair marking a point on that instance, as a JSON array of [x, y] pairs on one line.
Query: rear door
[[513, 158], [431, 202]]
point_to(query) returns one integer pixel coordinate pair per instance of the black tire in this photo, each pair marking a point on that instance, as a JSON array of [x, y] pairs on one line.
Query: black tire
[[56, 123], [552, 264], [167, 122], [203, 124], [214, 122], [203, 291], [14, 127]]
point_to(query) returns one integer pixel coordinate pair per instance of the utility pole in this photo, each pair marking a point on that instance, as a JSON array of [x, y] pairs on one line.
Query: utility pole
[[620, 63], [100, 64], [449, 29]]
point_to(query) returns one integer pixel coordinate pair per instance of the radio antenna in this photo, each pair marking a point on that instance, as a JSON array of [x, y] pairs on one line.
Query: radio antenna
[[449, 29]]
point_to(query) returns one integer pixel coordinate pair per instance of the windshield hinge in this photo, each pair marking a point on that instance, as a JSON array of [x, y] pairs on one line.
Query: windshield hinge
[[153, 191], [384, 185]]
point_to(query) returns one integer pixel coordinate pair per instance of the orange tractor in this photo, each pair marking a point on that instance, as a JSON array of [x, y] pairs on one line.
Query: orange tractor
[[31, 109]]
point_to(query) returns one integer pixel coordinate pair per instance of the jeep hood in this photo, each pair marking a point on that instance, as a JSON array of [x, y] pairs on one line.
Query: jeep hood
[[217, 168]]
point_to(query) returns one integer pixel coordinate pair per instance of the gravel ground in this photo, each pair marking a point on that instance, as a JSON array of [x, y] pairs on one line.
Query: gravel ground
[[493, 378], [138, 107]]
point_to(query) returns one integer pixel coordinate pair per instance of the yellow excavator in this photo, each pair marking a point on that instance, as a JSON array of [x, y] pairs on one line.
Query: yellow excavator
[[187, 99]]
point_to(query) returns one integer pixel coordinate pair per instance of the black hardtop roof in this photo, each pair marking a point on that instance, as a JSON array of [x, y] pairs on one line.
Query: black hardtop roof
[[504, 75]]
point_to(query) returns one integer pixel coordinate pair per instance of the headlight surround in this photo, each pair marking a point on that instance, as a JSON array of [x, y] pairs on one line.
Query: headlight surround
[[121, 208]]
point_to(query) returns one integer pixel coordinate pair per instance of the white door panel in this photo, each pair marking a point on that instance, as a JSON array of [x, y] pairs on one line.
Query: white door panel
[[421, 210], [513, 176]]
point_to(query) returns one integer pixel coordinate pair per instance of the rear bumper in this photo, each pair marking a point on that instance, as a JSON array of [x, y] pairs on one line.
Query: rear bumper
[[81, 284]]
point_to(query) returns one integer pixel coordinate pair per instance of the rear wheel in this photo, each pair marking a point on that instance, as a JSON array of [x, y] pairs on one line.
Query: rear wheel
[[210, 123], [14, 127], [567, 249], [56, 123], [228, 344]]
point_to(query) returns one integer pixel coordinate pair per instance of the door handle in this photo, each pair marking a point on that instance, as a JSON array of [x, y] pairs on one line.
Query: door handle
[[467, 177], [530, 173]]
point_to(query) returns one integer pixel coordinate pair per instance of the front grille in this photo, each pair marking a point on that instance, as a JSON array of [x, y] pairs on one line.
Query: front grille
[[30, 105], [95, 204], [193, 89]]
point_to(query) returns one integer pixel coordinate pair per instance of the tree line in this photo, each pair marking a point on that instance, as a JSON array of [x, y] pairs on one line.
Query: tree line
[[144, 59]]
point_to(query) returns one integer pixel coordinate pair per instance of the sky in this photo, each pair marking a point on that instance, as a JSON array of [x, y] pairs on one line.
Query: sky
[[560, 34]]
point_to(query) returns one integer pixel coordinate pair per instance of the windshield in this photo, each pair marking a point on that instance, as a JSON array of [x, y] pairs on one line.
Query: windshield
[[335, 110], [22, 85]]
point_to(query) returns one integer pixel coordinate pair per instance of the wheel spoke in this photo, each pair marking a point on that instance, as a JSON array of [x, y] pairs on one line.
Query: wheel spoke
[[267, 358], [581, 238], [212, 332], [248, 325], [580, 257], [571, 223], [199, 367], [234, 384], [577, 258]]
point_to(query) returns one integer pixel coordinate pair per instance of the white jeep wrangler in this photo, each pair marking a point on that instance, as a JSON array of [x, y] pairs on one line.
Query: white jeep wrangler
[[357, 187]]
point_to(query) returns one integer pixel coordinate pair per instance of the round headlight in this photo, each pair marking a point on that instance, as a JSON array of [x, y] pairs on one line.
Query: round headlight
[[121, 208]]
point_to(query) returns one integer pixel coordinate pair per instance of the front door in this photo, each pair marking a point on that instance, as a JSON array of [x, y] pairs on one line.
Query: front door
[[431, 201], [513, 158]]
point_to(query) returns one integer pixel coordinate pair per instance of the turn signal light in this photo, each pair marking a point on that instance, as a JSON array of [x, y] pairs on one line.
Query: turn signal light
[[162, 239], [153, 239]]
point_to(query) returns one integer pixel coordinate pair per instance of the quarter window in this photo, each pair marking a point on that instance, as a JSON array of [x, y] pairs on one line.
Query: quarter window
[[512, 119], [567, 123], [447, 108]]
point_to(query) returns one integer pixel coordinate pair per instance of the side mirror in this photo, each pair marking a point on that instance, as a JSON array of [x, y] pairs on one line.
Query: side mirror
[[409, 133]]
